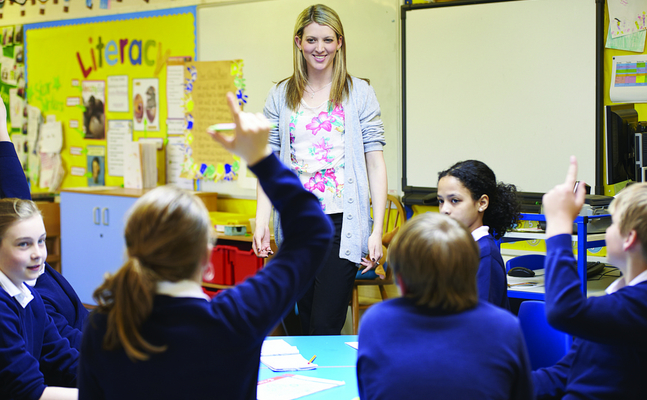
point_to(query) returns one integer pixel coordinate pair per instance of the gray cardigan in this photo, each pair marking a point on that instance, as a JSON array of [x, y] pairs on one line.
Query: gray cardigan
[[364, 132]]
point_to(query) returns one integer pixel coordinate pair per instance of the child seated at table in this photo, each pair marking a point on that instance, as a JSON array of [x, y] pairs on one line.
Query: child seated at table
[[154, 334], [33, 355], [439, 340], [61, 301], [469, 192], [608, 359]]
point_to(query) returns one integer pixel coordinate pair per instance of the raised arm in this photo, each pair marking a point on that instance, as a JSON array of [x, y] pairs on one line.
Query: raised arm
[[13, 182], [599, 319]]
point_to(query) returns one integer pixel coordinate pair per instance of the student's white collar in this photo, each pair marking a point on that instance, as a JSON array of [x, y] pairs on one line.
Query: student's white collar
[[32, 282], [480, 232], [21, 293], [620, 282], [185, 288]]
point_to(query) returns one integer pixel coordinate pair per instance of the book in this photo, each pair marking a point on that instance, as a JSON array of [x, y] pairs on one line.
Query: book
[[140, 165]]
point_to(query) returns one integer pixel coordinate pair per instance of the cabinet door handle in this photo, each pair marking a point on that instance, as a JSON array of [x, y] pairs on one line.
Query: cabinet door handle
[[95, 216], [105, 216]]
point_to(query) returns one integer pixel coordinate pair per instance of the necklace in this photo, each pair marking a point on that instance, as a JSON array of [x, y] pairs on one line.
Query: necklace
[[312, 92]]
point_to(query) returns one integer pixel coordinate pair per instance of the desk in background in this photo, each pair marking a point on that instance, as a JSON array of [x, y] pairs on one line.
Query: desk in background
[[335, 359]]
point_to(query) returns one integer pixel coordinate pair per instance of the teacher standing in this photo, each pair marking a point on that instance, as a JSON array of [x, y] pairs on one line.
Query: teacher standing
[[329, 131]]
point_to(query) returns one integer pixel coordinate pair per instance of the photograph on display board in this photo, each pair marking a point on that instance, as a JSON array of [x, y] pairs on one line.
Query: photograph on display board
[[19, 54], [94, 117], [17, 35], [96, 159], [7, 36], [145, 104]]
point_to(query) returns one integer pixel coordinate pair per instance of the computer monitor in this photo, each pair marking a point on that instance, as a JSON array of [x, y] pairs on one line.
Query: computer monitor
[[621, 123]]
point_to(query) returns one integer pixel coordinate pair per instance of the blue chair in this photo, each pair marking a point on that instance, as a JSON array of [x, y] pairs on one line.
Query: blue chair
[[530, 261], [546, 345]]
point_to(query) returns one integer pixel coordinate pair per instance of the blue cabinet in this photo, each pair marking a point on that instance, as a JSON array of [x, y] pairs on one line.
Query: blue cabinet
[[92, 238], [92, 234]]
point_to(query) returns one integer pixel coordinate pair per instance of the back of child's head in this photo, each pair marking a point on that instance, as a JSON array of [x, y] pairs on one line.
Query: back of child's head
[[503, 208], [13, 211], [437, 259], [167, 235], [629, 209]]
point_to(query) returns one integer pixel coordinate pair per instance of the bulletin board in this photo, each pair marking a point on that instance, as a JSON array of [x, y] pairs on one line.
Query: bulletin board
[[515, 84], [260, 34], [90, 72]]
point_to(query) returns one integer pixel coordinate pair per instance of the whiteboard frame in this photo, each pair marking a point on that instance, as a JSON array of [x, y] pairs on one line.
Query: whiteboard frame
[[427, 194]]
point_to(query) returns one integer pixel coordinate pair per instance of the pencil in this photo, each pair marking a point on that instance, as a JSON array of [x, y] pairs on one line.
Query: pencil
[[312, 359], [228, 127]]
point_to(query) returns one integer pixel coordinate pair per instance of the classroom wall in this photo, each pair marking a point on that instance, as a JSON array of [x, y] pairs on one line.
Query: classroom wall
[[373, 54]]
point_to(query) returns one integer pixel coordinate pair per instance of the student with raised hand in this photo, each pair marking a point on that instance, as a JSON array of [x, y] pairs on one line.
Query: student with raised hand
[[61, 301], [439, 340], [608, 359], [469, 192], [154, 333], [34, 358], [330, 133]]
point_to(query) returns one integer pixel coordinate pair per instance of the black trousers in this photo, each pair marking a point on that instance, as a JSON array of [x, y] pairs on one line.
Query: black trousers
[[322, 310]]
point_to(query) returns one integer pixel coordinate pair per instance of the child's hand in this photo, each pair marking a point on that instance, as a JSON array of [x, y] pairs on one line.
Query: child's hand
[[252, 133], [4, 133], [562, 205]]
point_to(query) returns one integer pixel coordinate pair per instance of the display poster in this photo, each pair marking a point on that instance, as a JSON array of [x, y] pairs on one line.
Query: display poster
[[206, 87], [89, 72]]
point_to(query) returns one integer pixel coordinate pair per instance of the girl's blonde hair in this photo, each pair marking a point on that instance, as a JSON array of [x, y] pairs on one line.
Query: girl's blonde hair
[[437, 259], [167, 234], [341, 82], [13, 211], [629, 210]]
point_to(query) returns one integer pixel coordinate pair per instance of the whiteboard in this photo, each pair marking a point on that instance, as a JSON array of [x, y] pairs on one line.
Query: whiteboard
[[512, 84], [260, 33]]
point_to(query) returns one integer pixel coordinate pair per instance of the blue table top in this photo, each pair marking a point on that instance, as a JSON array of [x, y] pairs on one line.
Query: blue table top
[[335, 359]]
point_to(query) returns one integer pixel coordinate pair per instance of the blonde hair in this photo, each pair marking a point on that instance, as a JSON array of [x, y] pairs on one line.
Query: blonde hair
[[437, 260], [167, 234], [13, 211], [629, 210], [341, 82]]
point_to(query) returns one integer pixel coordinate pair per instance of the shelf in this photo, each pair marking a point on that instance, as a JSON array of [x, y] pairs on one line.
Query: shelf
[[542, 236]]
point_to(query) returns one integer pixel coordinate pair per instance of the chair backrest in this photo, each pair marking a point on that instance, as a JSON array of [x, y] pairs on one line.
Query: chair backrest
[[545, 344], [530, 261], [394, 218], [395, 215]]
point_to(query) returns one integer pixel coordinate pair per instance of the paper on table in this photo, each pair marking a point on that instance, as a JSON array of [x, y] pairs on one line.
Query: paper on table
[[354, 345], [288, 387], [289, 362], [277, 348]]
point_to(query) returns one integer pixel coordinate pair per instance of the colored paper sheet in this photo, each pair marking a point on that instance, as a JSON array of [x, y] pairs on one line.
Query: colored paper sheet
[[627, 16], [629, 79], [632, 42]]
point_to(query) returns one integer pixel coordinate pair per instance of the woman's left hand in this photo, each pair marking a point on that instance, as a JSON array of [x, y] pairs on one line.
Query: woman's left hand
[[374, 252]]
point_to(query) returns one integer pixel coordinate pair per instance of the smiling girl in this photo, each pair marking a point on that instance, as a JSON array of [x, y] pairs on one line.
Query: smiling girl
[[470, 193], [329, 131], [32, 353]]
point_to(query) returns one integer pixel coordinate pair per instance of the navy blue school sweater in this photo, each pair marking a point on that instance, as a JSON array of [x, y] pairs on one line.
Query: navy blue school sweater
[[608, 360], [214, 347], [61, 301], [30, 349], [491, 278], [408, 351]]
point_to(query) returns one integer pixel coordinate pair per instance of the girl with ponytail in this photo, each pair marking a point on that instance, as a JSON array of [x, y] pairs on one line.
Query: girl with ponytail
[[469, 192], [155, 334]]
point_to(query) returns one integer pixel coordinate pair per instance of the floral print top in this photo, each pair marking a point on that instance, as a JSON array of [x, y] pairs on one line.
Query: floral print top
[[317, 152]]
